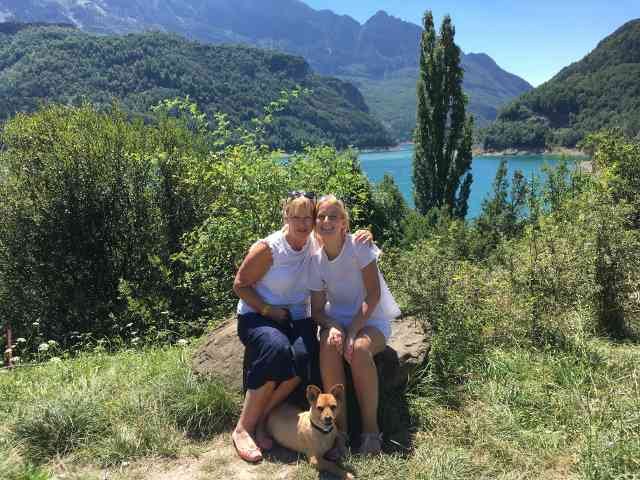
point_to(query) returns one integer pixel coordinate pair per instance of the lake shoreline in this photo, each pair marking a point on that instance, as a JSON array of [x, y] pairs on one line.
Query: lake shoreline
[[480, 152], [512, 152]]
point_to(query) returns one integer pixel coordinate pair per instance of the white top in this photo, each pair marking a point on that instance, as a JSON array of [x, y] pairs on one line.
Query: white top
[[284, 283], [341, 279]]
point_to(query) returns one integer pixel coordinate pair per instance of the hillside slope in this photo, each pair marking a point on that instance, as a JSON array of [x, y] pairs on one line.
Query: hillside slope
[[381, 55], [600, 91], [66, 65]]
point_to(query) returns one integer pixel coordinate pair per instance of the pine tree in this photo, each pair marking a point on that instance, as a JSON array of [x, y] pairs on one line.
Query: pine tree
[[443, 135]]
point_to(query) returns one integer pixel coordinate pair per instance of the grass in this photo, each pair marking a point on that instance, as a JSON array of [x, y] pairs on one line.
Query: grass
[[523, 415], [107, 409]]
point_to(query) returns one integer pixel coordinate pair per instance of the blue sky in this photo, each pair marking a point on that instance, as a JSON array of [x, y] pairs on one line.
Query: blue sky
[[532, 39]]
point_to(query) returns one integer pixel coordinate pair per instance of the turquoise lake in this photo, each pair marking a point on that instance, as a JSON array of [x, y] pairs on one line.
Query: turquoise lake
[[397, 163]]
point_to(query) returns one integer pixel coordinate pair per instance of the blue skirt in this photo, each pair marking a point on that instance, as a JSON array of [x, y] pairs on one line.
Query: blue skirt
[[278, 352]]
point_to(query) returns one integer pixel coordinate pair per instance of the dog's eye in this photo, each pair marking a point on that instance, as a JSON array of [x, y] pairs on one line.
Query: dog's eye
[[320, 408], [333, 407]]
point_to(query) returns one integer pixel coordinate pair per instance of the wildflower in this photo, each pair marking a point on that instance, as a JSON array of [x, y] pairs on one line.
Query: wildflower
[[52, 343], [182, 342], [16, 359], [135, 340], [128, 325], [36, 324], [43, 347], [55, 359], [21, 340]]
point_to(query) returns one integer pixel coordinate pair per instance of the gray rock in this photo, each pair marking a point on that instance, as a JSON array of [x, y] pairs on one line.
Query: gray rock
[[407, 349], [221, 354]]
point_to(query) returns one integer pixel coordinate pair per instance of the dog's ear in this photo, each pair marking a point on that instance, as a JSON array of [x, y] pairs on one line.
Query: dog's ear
[[337, 391], [312, 394]]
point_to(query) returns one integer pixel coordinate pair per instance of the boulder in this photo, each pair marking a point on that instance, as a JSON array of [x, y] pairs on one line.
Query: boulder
[[221, 354]]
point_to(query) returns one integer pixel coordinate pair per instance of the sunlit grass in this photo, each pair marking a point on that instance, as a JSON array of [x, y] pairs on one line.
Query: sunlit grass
[[107, 409], [525, 414]]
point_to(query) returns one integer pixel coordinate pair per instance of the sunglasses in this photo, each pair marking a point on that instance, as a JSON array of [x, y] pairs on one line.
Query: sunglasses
[[297, 194]]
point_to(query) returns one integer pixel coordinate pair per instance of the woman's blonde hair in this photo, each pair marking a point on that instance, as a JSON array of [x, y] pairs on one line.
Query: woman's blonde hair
[[294, 202], [333, 200]]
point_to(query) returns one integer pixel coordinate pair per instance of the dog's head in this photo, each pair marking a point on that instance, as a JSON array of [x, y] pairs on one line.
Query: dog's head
[[325, 406]]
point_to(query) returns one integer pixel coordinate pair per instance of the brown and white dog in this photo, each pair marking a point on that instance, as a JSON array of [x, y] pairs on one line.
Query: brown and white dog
[[312, 432]]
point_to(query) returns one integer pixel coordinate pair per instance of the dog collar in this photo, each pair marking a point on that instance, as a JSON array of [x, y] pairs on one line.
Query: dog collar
[[320, 429]]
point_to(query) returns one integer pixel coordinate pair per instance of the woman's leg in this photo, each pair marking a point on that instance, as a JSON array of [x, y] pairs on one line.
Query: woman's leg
[[270, 366], [369, 342], [281, 392], [254, 403], [304, 346], [332, 372]]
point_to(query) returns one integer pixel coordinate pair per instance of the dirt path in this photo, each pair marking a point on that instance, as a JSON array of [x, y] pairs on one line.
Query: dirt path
[[218, 461]]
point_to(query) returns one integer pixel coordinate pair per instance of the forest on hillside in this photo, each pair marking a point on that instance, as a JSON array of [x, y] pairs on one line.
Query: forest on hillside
[[63, 65], [600, 91]]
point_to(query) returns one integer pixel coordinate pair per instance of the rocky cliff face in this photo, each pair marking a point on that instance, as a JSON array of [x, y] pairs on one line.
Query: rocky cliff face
[[331, 43]]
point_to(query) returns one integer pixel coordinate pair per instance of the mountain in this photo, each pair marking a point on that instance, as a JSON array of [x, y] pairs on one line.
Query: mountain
[[380, 55], [600, 91], [62, 64]]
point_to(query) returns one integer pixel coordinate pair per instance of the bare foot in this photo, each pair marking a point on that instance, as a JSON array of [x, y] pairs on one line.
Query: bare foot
[[245, 446], [263, 439]]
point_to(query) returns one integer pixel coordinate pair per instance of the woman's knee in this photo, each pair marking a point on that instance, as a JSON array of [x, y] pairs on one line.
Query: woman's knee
[[361, 353]]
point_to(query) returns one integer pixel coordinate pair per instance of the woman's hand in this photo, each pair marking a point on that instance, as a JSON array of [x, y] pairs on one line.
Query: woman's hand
[[363, 236], [280, 315], [348, 346], [336, 338]]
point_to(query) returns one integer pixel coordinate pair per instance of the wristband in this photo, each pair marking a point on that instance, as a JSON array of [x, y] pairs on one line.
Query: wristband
[[264, 311]]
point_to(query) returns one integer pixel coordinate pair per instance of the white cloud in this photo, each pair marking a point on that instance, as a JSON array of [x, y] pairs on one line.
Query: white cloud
[[4, 16]]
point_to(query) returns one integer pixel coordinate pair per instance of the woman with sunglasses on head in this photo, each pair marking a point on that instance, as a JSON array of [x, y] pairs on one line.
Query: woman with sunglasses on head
[[353, 306], [274, 320]]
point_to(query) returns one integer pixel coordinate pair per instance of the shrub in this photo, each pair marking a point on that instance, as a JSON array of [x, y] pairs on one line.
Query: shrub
[[442, 291], [81, 209]]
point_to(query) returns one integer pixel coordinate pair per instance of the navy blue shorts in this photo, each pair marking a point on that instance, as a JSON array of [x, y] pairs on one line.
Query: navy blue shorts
[[278, 352]]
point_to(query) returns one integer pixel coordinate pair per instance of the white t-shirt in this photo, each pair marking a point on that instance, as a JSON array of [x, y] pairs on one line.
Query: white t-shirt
[[341, 279], [284, 283]]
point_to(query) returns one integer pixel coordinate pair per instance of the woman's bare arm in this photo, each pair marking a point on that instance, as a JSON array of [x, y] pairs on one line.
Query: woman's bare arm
[[254, 266]]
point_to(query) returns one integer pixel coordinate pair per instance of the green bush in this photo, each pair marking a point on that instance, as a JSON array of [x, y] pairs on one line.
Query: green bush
[[502, 216], [94, 206], [432, 283], [80, 213]]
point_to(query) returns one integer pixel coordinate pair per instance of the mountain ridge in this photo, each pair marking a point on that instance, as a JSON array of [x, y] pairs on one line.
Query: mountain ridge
[[372, 53]]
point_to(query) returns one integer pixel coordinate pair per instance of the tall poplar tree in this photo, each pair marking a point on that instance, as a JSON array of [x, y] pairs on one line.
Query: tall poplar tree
[[443, 135]]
